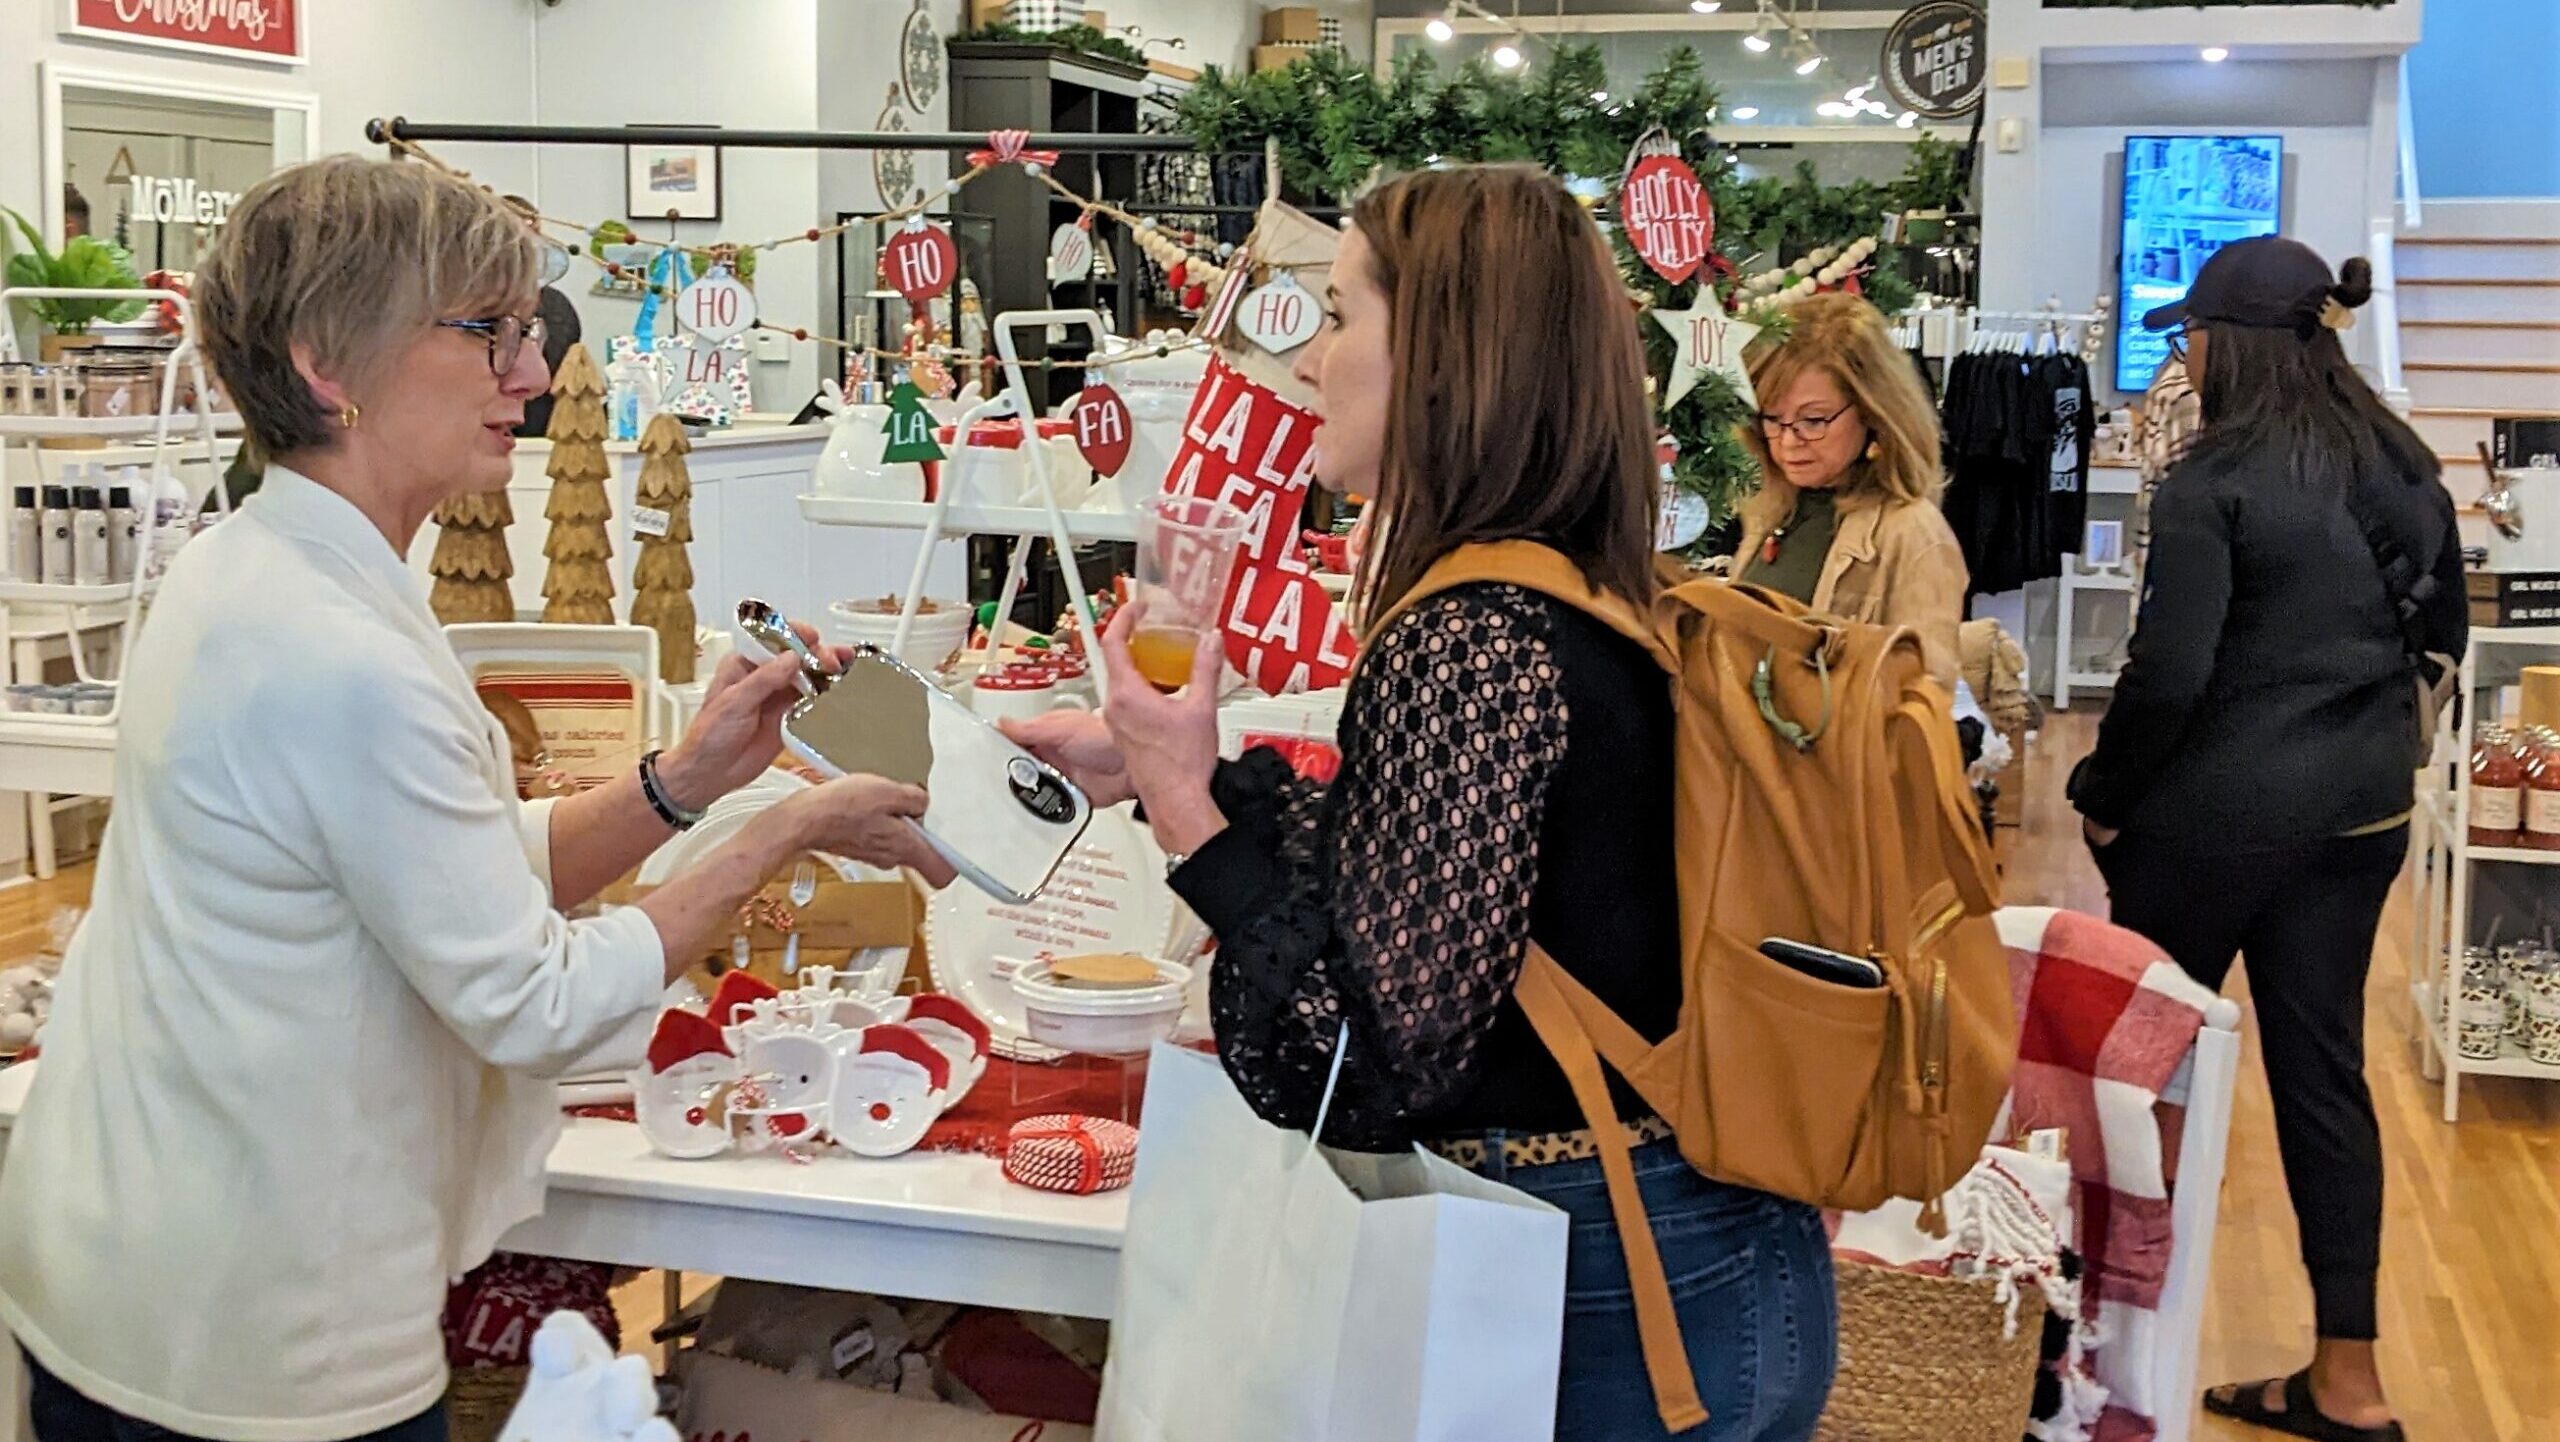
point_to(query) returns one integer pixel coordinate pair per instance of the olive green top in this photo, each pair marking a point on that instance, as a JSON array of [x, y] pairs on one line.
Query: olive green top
[[1803, 545]]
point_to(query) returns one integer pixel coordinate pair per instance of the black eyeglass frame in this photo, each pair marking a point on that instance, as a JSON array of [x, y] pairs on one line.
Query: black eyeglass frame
[[506, 335], [1808, 430]]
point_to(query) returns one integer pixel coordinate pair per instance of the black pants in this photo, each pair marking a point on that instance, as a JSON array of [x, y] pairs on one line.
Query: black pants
[[61, 1414], [2303, 916]]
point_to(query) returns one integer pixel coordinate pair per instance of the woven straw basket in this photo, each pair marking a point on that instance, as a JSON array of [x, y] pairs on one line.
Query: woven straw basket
[[1922, 1359], [478, 1400]]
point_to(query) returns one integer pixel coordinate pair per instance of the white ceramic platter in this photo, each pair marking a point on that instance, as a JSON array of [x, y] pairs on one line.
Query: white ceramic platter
[[1109, 895]]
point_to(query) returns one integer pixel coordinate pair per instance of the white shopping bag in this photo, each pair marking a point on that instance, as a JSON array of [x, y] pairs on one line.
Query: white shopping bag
[[1272, 1291]]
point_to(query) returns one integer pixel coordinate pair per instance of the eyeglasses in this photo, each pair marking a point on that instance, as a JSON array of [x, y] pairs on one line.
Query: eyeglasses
[[507, 336], [1810, 428], [2178, 345]]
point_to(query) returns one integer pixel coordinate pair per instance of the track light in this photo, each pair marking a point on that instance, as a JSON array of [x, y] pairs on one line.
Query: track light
[[1706, 7], [1833, 109], [2216, 54], [1746, 112], [1757, 42], [1507, 56], [1807, 55], [1907, 119], [1439, 29]]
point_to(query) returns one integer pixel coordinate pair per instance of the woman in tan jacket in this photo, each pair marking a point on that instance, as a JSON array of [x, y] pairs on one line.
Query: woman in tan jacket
[[1846, 519]]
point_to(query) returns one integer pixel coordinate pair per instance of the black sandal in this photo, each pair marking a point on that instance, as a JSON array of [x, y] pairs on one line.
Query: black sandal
[[2301, 1416]]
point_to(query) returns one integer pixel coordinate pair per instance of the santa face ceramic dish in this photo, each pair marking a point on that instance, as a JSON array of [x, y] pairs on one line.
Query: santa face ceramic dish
[[782, 1091], [684, 1111], [956, 1032], [680, 1096], [890, 1085]]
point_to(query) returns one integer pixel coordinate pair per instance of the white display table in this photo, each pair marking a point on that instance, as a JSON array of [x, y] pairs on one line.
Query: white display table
[[937, 1226]]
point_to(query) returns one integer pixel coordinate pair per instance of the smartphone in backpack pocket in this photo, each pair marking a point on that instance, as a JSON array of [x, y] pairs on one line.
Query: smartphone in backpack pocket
[[1823, 964], [1000, 816]]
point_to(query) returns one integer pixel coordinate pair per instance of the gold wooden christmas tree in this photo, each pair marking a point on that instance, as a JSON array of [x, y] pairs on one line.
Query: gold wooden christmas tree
[[470, 564], [662, 580], [578, 587]]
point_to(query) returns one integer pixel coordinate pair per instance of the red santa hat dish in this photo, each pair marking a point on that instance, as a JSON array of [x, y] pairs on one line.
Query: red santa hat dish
[[891, 1084], [680, 1097]]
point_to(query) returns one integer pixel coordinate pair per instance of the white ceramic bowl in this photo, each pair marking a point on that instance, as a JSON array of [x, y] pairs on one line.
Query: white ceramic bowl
[[1098, 1022], [938, 633]]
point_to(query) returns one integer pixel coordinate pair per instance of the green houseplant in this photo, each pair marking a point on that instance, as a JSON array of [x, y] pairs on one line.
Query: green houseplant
[[86, 262]]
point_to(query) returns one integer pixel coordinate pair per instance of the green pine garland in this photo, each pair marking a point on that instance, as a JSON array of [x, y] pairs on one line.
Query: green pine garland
[[1338, 127], [1078, 39]]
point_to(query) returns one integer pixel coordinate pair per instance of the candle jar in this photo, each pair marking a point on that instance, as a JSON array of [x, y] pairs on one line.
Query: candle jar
[[2542, 1012], [2480, 1012], [2496, 815]]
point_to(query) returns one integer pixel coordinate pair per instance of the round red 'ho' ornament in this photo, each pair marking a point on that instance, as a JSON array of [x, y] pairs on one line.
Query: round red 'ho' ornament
[[921, 263]]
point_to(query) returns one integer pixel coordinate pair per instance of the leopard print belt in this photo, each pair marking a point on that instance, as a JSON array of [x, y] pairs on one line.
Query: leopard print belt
[[1547, 1148]]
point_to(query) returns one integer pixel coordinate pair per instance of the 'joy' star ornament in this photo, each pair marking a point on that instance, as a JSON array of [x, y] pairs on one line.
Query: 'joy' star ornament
[[1709, 340]]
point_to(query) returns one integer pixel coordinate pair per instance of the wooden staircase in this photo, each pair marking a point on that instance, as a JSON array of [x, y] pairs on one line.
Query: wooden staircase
[[2480, 335]]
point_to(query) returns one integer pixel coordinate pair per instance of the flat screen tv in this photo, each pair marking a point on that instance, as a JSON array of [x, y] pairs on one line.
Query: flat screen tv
[[2185, 197]]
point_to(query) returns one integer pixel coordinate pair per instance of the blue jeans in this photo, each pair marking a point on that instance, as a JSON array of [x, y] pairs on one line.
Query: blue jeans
[[1750, 1279], [63, 1415]]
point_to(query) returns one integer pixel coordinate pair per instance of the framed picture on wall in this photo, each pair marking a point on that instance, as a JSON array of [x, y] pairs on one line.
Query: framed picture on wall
[[671, 182]]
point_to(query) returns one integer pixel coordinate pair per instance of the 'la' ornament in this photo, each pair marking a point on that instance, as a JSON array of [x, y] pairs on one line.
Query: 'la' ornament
[[1708, 340]]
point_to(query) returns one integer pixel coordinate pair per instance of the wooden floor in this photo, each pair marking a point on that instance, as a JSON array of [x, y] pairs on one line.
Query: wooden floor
[[2471, 1269], [2471, 1227]]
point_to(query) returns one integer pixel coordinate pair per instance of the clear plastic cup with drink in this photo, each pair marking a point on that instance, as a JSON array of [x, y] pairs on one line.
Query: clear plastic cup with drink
[[1187, 549]]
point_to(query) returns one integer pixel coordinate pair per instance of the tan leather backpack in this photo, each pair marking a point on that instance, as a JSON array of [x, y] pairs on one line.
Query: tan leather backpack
[[1821, 799]]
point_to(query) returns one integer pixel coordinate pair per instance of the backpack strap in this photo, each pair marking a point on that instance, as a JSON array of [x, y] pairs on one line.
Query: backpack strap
[[1534, 566], [1543, 994]]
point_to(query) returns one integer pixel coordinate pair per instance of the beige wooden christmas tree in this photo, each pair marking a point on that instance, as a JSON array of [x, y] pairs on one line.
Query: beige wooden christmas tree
[[470, 564], [578, 587], [662, 517]]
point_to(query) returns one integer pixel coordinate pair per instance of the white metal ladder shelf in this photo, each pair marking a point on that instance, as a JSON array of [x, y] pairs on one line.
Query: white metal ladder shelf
[[44, 755]]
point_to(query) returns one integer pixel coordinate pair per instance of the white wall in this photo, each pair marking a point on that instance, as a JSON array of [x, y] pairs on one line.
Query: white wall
[[656, 62], [464, 57]]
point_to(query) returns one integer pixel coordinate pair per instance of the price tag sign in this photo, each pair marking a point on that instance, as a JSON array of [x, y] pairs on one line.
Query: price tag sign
[[1102, 429], [920, 263], [1070, 253], [646, 521], [717, 306], [1281, 316]]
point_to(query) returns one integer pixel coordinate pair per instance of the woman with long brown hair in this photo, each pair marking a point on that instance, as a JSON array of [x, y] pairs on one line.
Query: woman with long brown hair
[[1506, 776], [1846, 519]]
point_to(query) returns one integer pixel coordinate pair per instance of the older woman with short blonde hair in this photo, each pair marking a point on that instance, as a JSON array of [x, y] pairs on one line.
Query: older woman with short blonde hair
[[300, 1072], [1846, 519]]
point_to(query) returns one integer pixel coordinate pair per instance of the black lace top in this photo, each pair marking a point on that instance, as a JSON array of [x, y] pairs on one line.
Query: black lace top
[[1506, 774]]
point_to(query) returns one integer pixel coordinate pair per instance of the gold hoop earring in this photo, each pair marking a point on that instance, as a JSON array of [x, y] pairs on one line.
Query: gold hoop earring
[[348, 415]]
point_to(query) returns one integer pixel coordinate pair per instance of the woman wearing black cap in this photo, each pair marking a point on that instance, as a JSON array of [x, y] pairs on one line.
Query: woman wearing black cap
[[2251, 786]]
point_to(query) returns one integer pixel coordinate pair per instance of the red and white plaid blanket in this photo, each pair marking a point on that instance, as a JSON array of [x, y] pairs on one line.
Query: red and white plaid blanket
[[2106, 1019]]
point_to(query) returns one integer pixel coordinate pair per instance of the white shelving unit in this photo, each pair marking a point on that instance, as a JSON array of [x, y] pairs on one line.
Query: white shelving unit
[[2447, 883], [45, 756], [940, 519], [2078, 580]]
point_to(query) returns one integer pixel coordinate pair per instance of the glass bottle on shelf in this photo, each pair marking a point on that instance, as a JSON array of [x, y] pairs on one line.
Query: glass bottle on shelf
[[2541, 789], [2496, 817]]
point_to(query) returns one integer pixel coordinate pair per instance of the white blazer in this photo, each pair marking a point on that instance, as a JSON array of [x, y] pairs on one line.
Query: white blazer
[[297, 1073]]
